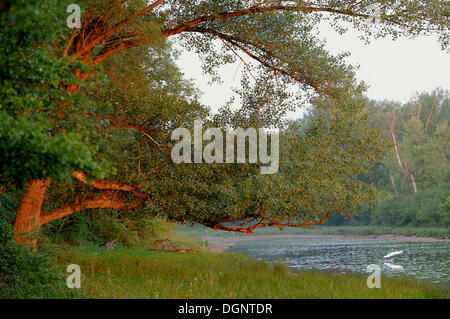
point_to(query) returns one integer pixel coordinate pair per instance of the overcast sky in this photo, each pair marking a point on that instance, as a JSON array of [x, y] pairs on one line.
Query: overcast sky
[[395, 70]]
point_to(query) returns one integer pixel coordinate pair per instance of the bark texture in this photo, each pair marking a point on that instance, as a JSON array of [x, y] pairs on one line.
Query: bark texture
[[27, 223]]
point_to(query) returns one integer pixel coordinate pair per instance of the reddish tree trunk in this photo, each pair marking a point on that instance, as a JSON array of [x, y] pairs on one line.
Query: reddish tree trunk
[[27, 222]]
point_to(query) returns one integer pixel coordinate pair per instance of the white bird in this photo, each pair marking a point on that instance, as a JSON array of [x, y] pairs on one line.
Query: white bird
[[393, 253], [394, 267]]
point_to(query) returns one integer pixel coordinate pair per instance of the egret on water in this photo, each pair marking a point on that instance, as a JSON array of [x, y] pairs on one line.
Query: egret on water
[[393, 253], [393, 266]]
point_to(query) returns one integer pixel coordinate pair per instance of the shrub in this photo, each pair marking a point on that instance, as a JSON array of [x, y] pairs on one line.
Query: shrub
[[101, 226], [444, 212], [426, 208], [27, 274]]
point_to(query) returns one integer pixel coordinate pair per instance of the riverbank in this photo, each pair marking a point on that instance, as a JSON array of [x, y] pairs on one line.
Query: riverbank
[[406, 234], [143, 272], [140, 273]]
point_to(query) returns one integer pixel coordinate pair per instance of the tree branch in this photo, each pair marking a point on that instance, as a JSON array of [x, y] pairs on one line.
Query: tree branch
[[234, 41], [118, 26], [133, 126], [69, 42], [115, 49], [107, 185], [243, 61], [107, 199], [226, 15], [263, 222]]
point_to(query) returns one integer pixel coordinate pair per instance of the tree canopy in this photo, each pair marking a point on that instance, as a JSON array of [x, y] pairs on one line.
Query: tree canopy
[[86, 114]]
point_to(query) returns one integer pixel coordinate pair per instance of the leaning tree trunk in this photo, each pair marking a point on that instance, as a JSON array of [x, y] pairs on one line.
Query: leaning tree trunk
[[28, 218], [27, 223]]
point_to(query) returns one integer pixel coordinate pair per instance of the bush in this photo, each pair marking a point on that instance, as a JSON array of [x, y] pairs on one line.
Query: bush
[[27, 274], [9, 201], [98, 227], [444, 213], [426, 208]]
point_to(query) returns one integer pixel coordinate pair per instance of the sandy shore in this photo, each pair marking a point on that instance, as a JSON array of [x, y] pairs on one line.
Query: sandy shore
[[219, 244]]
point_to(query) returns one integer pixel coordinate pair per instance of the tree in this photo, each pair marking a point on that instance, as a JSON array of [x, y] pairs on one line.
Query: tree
[[421, 150], [419, 134], [275, 40]]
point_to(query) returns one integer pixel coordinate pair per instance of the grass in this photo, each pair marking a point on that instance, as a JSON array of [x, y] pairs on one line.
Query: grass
[[200, 231], [140, 273]]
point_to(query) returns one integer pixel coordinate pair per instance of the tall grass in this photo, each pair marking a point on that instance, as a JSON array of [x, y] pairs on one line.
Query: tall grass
[[27, 274], [139, 273]]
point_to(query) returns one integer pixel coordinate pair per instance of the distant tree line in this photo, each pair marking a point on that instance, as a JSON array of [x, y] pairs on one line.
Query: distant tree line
[[415, 178]]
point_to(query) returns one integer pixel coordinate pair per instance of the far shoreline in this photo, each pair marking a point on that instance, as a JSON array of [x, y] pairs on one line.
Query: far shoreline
[[221, 243]]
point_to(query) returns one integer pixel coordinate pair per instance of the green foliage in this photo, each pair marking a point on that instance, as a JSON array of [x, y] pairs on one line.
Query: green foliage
[[444, 212], [422, 136], [25, 274], [9, 201], [420, 209], [128, 104], [32, 151], [422, 133], [98, 228], [38, 137]]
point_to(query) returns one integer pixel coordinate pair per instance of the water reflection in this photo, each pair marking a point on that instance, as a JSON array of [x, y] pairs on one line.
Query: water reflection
[[429, 261]]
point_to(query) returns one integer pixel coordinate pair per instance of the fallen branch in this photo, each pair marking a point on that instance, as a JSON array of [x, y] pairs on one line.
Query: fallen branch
[[171, 247]]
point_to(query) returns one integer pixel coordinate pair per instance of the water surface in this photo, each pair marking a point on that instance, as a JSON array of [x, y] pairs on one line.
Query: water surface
[[429, 261]]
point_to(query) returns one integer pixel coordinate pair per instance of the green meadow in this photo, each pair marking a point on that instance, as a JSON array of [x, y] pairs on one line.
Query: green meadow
[[140, 273], [145, 271]]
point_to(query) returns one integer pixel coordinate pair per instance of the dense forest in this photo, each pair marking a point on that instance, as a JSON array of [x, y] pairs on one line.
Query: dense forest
[[415, 178]]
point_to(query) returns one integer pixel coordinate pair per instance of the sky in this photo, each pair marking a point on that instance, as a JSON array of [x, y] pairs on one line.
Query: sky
[[394, 70]]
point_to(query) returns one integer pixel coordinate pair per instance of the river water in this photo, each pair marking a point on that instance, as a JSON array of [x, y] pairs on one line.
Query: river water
[[429, 261]]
